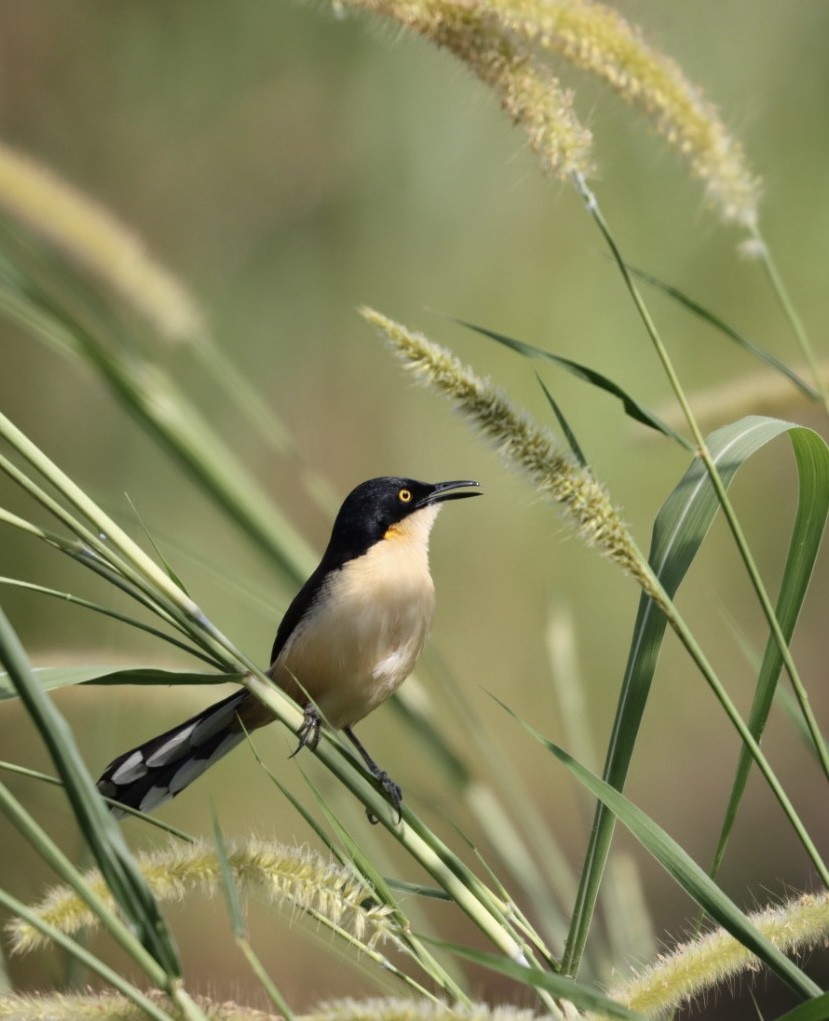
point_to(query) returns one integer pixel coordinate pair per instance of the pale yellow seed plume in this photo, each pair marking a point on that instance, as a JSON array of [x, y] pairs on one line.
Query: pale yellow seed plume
[[114, 1007], [97, 242], [696, 967], [528, 91], [293, 876], [554, 472], [597, 39]]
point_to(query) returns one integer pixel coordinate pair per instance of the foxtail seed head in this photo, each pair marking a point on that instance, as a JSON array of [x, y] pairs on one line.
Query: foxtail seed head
[[554, 472], [293, 876]]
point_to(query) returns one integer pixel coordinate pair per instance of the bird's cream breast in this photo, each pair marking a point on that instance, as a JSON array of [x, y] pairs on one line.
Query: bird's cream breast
[[363, 638]]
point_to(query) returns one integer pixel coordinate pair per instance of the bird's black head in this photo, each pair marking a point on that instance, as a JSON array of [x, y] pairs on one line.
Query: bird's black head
[[374, 508]]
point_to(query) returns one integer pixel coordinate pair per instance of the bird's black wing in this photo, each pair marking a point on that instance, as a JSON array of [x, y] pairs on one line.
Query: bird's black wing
[[302, 602]]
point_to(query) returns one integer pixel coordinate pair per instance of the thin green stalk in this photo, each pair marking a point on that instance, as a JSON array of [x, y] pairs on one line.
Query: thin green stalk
[[127, 555], [354, 858], [782, 294], [267, 983], [686, 637], [165, 827], [92, 543], [467, 891], [57, 860], [80, 552], [716, 479], [604, 825], [184, 1001], [600, 842], [87, 604]]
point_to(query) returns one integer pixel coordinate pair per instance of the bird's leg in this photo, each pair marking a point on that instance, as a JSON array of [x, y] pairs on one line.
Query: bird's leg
[[380, 775], [309, 732]]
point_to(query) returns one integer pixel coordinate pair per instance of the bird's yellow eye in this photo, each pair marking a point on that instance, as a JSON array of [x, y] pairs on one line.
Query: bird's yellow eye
[[404, 495]]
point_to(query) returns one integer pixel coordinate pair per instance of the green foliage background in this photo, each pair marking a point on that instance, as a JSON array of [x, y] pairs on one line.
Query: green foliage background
[[291, 165]]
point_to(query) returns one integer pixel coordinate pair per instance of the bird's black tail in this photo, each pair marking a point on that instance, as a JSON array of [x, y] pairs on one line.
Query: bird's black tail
[[159, 769]]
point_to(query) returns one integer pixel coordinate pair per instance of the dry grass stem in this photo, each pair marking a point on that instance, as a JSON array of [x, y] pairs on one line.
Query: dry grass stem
[[97, 242], [760, 393]]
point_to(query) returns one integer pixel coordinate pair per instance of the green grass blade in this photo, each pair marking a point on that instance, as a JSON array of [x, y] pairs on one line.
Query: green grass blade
[[690, 877], [123, 618], [813, 1010], [165, 412], [564, 425], [51, 678], [98, 827], [719, 324], [234, 905], [362, 864], [679, 530], [87, 958], [165, 563], [638, 412], [812, 458]]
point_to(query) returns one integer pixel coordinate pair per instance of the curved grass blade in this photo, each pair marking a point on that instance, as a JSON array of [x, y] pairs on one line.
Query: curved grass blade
[[150, 820], [239, 925], [100, 830], [814, 1010], [51, 678], [87, 604], [87, 958], [580, 995], [632, 407], [165, 563], [812, 459], [678, 532], [719, 324], [564, 425], [678, 863], [150, 394]]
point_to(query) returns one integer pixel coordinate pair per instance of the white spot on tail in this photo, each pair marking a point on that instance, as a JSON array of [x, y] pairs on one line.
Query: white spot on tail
[[164, 752], [194, 767], [132, 768]]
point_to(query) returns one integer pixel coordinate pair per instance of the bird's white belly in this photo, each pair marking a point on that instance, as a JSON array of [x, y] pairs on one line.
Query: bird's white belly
[[363, 638]]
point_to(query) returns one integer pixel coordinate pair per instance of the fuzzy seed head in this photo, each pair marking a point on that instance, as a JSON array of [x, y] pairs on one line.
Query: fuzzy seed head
[[295, 877], [521, 442]]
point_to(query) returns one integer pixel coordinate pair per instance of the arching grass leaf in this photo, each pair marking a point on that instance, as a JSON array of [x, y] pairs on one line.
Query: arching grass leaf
[[728, 331], [678, 863], [51, 678], [577, 993], [632, 407], [679, 530]]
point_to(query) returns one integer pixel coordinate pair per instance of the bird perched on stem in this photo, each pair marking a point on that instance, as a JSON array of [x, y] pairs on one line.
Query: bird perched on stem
[[348, 640]]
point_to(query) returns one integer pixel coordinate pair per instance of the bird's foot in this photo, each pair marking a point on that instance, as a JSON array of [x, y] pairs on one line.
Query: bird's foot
[[394, 792], [309, 732]]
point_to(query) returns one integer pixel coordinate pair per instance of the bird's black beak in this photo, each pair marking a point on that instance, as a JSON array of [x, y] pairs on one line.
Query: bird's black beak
[[447, 491]]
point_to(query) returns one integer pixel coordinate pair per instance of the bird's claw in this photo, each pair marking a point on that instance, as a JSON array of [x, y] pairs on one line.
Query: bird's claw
[[309, 732], [394, 792]]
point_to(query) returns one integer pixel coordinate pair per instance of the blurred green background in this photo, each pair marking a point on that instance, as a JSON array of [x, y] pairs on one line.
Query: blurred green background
[[290, 165]]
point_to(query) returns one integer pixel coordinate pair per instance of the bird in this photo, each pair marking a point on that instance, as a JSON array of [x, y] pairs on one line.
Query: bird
[[348, 640]]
